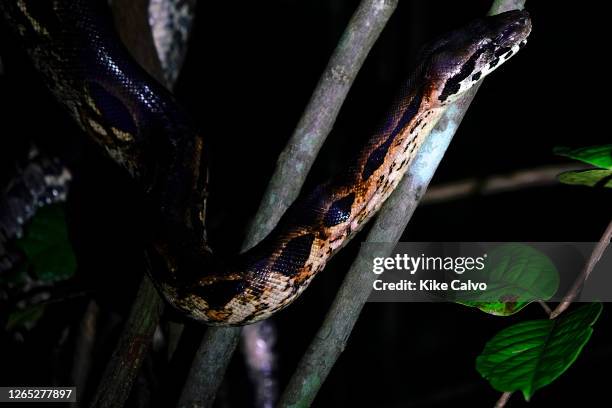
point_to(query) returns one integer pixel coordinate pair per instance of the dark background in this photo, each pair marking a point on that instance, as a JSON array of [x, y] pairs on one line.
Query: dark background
[[248, 75]]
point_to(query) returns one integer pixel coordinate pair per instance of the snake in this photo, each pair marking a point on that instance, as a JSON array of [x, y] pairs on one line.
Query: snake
[[141, 126], [40, 179]]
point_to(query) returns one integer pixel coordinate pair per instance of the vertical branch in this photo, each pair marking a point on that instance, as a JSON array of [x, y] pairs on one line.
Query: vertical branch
[[212, 358], [331, 338], [171, 23], [134, 343], [292, 168]]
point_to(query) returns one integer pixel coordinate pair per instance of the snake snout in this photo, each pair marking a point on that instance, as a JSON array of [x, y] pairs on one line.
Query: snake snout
[[513, 28], [465, 56]]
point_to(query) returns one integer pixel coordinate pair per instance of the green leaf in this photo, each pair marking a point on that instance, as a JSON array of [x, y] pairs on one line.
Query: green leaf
[[600, 156], [532, 354], [591, 178], [516, 275], [46, 245]]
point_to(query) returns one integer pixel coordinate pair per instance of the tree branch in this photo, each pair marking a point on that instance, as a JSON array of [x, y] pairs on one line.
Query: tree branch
[[292, 168], [537, 177], [503, 400], [586, 272], [331, 338], [133, 345], [545, 307], [210, 362]]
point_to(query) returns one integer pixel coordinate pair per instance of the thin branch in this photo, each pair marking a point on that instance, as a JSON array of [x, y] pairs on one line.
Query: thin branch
[[209, 366], [212, 358], [586, 272], [292, 168], [134, 343], [331, 338], [546, 308], [503, 400], [529, 178]]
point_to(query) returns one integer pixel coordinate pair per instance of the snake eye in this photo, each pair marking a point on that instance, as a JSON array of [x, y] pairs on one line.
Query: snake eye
[[114, 113]]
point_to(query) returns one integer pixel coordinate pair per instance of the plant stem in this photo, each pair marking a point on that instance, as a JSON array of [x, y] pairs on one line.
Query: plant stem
[[503, 400], [292, 168], [331, 338], [545, 307], [212, 358], [133, 345], [586, 272], [500, 183]]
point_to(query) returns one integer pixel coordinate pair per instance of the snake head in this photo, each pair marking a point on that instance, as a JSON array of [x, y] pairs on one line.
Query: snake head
[[462, 58]]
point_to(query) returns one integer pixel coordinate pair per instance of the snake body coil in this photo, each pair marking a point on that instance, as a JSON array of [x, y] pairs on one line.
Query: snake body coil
[[138, 123]]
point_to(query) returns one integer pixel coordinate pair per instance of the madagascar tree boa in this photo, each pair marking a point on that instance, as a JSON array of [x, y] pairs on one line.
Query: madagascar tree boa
[[142, 128]]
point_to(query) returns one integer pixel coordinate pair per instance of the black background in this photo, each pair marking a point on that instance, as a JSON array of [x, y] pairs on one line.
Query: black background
[[248, 75]]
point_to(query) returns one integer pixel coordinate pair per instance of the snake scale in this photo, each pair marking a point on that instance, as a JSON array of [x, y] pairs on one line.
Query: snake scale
[[143, 129]]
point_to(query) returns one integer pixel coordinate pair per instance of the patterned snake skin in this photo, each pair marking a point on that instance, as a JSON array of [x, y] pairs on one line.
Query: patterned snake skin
[[139, 124], [40, 181]]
